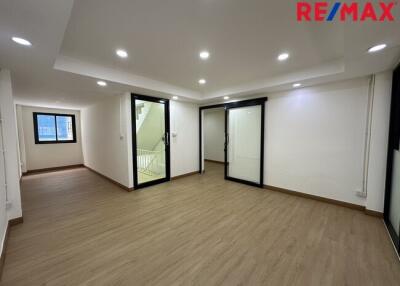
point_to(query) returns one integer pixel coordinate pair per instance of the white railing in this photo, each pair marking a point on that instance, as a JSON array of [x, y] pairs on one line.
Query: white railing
[[149, 162]]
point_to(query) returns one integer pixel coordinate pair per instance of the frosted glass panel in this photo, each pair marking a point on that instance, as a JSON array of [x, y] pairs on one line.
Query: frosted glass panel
[[244, 143], [394, 210]]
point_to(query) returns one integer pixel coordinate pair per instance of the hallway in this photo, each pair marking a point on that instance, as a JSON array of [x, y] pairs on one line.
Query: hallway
[[79, 229]]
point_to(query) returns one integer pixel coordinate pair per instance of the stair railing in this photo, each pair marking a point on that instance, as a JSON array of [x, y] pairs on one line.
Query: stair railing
[[148, 160]]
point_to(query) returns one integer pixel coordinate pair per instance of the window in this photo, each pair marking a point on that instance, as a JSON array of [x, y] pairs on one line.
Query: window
[[54, 128]]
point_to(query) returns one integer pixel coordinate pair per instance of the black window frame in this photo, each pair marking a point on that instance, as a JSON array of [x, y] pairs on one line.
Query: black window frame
[[35, 128]]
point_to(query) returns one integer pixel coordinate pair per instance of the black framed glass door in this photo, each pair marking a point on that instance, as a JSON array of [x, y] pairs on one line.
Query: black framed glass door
[[244, 142], [392, 194], [150, 140]]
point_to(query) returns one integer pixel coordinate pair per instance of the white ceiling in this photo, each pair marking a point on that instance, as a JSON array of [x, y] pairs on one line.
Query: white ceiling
[[74, 44]]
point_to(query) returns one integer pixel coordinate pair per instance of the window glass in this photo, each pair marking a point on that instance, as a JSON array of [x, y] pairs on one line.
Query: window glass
[[46, 128], [64, 128]]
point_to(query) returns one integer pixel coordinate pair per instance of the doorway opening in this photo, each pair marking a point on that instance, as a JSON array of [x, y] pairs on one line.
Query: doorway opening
[[214, 139], [150, 140], [243, 139]]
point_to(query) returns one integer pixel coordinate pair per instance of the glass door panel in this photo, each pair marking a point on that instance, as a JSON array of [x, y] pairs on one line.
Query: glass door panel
[[151, 140], [244, 148], [394, 209]]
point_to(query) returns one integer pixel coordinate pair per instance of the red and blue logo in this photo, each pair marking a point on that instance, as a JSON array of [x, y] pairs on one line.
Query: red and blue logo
[[341, 11]]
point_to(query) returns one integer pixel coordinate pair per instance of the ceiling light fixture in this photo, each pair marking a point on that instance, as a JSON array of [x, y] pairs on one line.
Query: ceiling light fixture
[[202, 81], [283, 57], [121, 53], [226, 97], [204, 55], [21, 41], [102, 83], [297, 84], [175, 97], [376, 48]]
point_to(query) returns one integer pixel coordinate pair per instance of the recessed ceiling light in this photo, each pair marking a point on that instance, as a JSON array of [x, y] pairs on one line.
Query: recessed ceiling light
[[376, 48], [175, 97], [102, 83], [21, 41], [202, 81], [226, 97], [283, 57], [204, 55], [296, 84], [121, 53]]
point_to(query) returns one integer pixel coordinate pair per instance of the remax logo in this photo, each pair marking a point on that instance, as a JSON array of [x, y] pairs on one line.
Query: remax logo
[[354, 11]]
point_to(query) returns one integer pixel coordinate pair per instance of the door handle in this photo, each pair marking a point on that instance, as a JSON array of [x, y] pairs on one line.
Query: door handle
[[166, 138]]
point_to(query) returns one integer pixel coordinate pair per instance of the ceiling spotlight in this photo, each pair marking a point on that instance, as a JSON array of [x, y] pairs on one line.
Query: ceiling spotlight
[[204, 55], [202, 81], [297, 84], [102, 83], [21, 41], [121, 53], [175, 97], [226, 97], [283, 57], [376, 48]]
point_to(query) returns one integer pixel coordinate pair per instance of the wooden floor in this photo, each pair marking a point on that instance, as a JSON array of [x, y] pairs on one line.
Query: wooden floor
[[79, 229]]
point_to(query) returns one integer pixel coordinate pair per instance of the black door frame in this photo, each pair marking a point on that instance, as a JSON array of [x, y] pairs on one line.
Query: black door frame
[[164, 101], [240, 104], [201, 108], [393, 144], [249, 102]]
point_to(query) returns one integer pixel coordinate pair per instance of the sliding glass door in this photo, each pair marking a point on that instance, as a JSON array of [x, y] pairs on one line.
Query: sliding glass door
[[392, 197], [150, 120], [244, 147]]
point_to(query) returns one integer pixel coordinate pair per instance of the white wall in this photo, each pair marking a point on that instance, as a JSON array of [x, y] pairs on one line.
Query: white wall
[[13, 208], [106, 138], [40, 156], [184, 120], [379, 142], [3, 212], [105, 152], [214, 134], [21, 139], [315, 140]]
